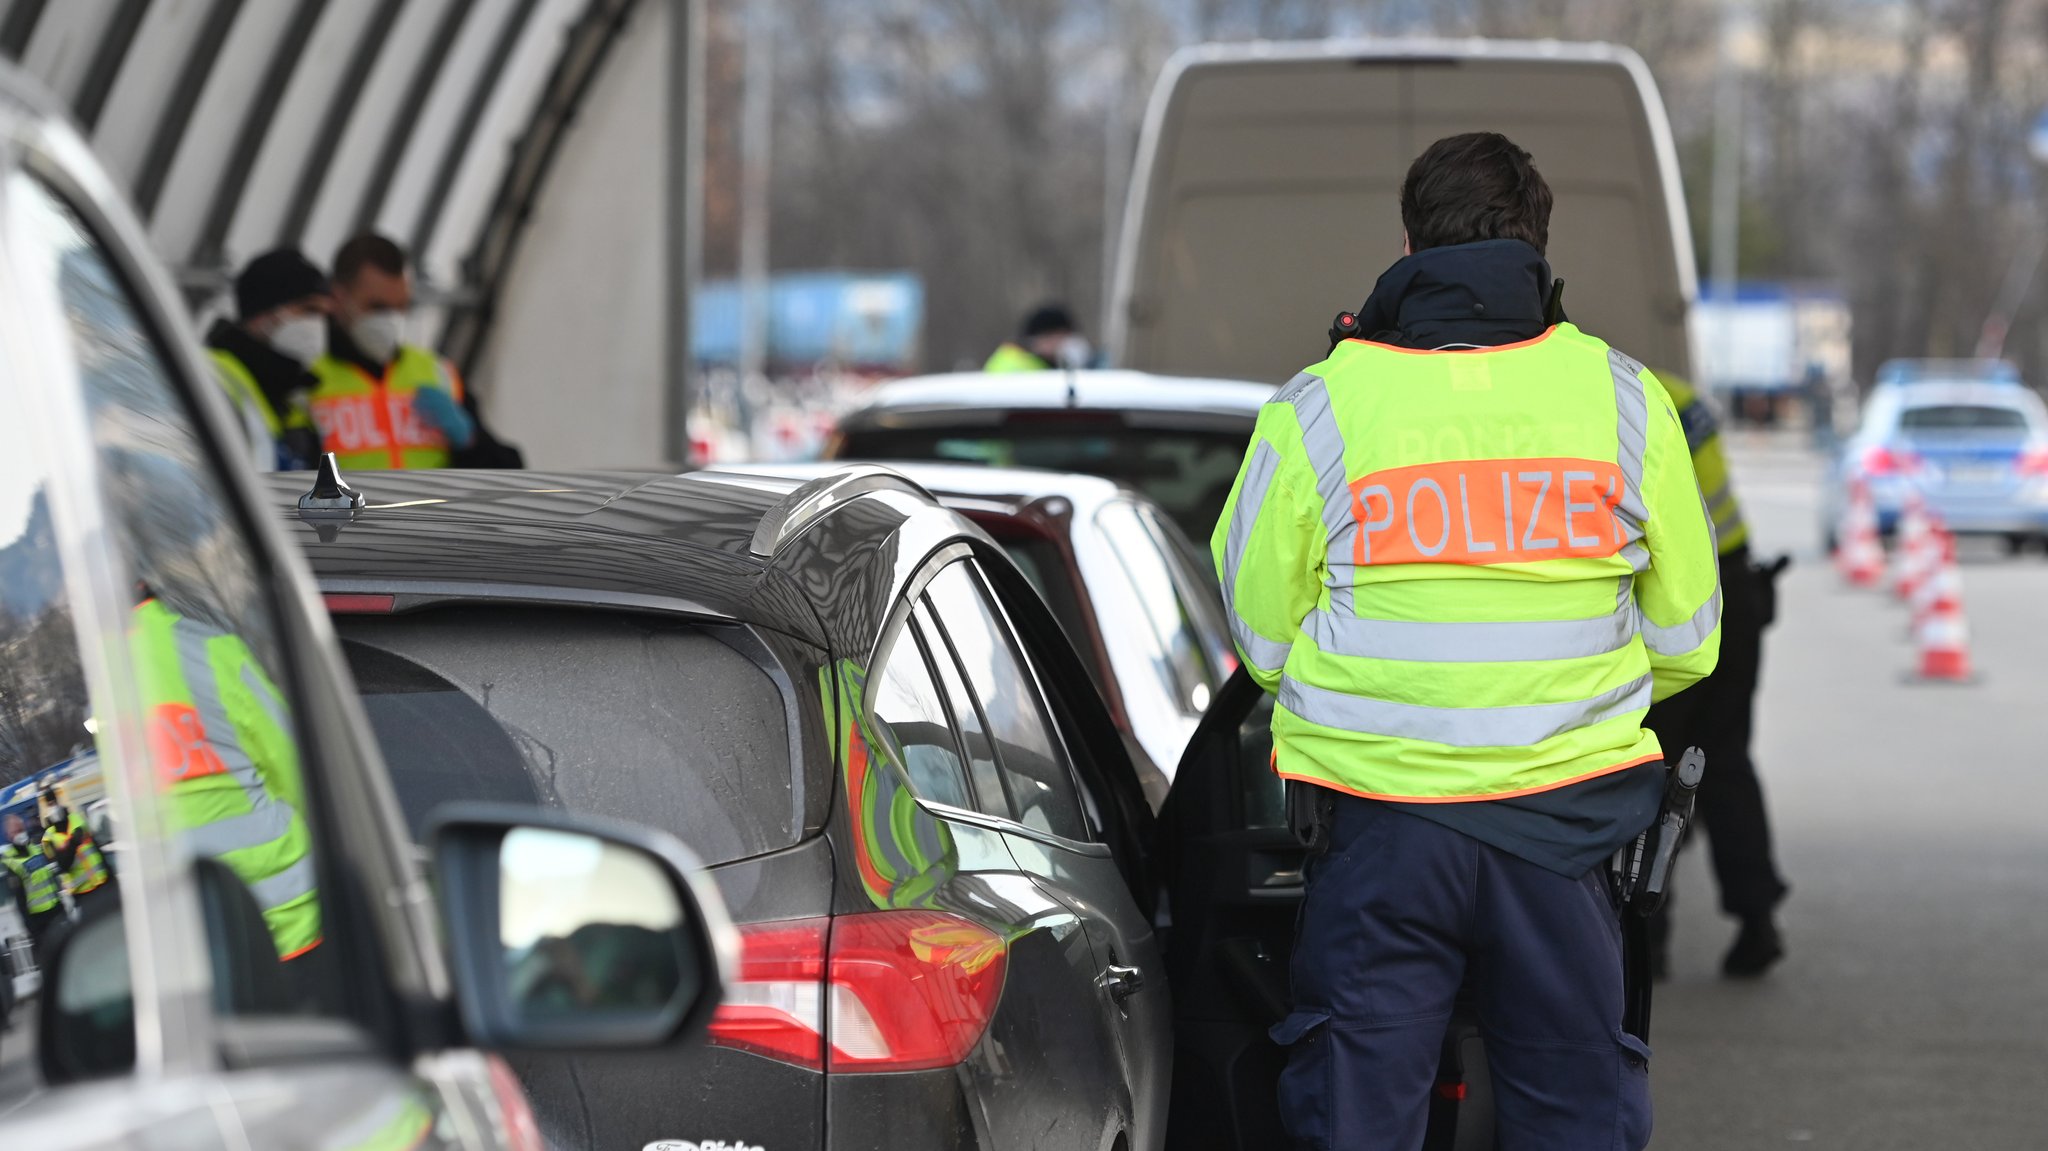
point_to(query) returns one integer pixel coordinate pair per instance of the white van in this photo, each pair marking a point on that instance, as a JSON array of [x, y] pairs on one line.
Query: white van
[[1266, 194]]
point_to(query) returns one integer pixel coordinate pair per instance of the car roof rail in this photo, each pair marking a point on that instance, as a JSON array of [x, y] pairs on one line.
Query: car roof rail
[[804, 506]]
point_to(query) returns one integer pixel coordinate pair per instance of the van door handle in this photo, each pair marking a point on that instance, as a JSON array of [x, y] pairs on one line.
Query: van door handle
[[1120, 981]]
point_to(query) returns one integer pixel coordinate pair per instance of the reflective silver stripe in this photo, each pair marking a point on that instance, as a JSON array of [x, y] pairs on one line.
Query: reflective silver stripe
[[274, 891], [1265, 654], [1514, 642], [267, 820], [1460, 726], [1632, 431], [1686, 637], [266, 824], [1323, 444], [193, 642], [1723, 510]]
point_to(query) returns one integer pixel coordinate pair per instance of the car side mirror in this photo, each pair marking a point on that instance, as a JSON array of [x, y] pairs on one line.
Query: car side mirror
[[85, 1027], [572, 932]]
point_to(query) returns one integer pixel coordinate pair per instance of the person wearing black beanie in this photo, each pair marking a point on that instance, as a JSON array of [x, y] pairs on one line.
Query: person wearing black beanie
[[264, 356]]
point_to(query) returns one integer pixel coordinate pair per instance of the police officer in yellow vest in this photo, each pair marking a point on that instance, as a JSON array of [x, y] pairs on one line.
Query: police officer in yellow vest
[[221, 743], [1467, 552], [382, 402], [34, 877], [1048, 340], [1717, 715], [69, 843], [263, 357]]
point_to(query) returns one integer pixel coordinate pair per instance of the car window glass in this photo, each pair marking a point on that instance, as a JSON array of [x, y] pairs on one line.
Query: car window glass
[[634, 717], [1963, 418], [1033, 763], [991, 794], [1180, 657], [204, 646], [1195, 572], [1187, 472], [47, 749], [910, 716]]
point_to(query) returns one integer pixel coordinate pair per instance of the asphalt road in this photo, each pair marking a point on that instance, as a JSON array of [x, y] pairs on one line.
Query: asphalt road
[[1912, 822]]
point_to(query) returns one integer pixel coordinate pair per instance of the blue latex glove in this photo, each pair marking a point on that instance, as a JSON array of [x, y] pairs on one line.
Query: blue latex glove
[[437, 407]]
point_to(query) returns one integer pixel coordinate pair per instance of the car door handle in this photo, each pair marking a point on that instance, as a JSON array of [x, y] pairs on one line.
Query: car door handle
[[1120, 981]]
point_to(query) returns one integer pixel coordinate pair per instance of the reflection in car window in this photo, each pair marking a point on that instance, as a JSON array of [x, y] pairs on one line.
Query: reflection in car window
[[47, 756], [633, 717], [911, 716], [203, 640], [1034, 765], [991, 793], [1180, 658]]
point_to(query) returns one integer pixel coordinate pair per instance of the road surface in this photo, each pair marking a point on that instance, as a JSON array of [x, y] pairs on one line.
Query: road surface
[[1913, 827]]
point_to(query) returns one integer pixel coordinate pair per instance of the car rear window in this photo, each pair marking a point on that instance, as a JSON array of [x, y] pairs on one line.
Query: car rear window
[[634, 717], [1963, 418], [1188, 473]]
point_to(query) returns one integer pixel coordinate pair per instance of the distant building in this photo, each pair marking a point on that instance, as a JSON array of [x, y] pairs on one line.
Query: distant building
[[855, 321]]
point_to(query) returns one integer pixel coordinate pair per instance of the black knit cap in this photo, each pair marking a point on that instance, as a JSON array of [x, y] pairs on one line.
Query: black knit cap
[[274, 279], [1047, 318]]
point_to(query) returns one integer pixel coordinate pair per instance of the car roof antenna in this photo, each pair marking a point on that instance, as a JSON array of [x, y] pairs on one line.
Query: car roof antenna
[[1073, 382], [330, 492]]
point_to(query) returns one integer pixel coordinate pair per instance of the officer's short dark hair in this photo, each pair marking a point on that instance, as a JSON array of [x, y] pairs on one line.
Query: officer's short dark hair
[[369, 250], [1046, 319], [1478, 186]]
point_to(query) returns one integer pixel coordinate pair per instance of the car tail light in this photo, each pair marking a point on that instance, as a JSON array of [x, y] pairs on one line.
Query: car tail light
[[1883, 461], [522, 1132], [2033, 462], [339, 603], [879, 991]]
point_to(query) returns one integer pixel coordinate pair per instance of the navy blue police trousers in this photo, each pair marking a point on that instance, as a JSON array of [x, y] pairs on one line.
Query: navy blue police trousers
[[1400, 913]]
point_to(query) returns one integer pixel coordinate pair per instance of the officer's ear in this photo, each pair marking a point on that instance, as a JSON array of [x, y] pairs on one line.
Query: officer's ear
[[1407, 249]]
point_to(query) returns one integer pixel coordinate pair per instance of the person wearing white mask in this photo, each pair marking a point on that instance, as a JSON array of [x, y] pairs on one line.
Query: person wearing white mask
[[383, 401], [1049, 339], [264, 357]]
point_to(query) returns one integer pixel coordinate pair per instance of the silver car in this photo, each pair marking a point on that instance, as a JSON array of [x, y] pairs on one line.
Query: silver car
[[1975, 451], [167, 1015]]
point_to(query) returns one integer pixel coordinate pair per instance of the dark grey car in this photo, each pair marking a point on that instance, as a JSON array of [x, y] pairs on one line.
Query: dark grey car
[[855, 706]]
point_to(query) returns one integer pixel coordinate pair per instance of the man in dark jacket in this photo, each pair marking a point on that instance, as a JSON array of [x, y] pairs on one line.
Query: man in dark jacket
[[264, 356]]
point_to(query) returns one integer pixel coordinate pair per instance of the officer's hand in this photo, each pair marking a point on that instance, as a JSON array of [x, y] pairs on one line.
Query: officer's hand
[[440, 409]]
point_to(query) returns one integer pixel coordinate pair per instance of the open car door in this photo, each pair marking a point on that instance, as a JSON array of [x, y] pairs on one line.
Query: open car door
[[1233, 877]]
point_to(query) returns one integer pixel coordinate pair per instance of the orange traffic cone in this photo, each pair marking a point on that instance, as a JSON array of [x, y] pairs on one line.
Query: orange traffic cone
[[1937, 579], [1916, 558], [1944, 633], [1861, 556]]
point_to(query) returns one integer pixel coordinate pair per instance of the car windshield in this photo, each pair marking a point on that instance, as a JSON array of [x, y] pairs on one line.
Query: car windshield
[[632, 717], [1186, 472]]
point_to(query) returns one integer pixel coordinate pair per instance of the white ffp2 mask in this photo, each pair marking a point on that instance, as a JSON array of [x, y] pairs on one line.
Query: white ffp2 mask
[[301, 338], [379, 334]]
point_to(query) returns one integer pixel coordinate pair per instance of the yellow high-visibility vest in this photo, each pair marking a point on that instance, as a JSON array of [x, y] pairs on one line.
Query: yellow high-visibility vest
[[220, 739], [1467, 574], [369, 423], [1703, 437], [1014, 358]]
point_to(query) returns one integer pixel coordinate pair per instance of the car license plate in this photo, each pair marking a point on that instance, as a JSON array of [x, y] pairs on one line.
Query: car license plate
[[1977, 475]]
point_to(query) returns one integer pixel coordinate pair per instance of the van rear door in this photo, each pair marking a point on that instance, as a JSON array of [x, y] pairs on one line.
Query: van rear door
[[1266, 193]]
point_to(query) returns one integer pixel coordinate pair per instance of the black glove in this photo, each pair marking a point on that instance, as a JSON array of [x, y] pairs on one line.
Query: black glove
[[1766, 575]]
